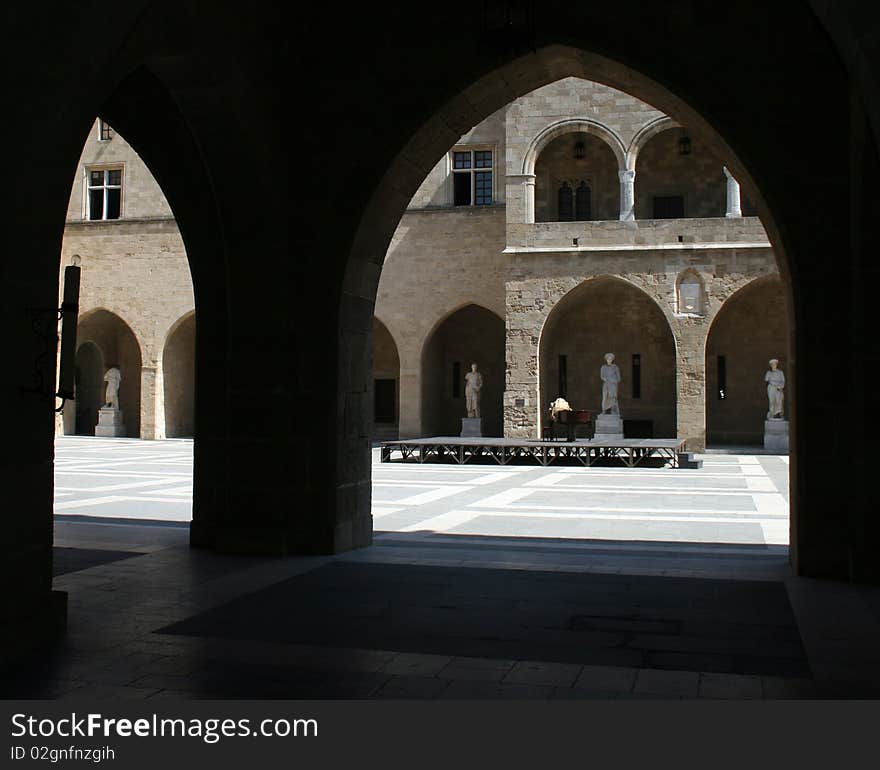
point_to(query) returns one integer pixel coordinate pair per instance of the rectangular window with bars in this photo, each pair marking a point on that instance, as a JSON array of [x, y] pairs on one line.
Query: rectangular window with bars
[[472, 177], [104, 198]]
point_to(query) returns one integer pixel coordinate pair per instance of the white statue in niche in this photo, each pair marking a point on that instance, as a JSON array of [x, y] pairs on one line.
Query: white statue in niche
[[113, 377], [473, 384], [610, 374], [775, 380]]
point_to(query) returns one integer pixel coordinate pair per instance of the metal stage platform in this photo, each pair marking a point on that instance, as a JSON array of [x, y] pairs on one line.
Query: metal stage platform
[[629, 452]]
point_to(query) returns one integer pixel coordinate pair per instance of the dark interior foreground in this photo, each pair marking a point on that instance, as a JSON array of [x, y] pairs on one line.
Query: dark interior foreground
[[221, 100]]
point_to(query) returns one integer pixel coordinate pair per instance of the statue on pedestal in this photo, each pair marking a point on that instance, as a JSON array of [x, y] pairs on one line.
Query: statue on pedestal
[[473, 384], [610, 374], [775, 380], [113, 377]]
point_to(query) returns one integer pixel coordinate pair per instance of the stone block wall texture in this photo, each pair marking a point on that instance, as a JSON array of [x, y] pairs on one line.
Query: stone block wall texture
[[438, 262], [138, 272], [528, 116], [436, 190]]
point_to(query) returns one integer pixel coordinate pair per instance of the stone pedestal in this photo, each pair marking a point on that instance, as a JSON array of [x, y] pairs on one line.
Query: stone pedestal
[[776, 435], [109, 422], [471, 427], [609, 427]]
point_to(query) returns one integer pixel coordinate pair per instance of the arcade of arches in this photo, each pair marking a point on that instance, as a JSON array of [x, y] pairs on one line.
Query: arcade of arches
[[195, 114]]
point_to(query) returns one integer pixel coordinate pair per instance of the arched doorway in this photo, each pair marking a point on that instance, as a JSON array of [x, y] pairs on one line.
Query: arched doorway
[[178, 378], [750, 328], [471, 334], [81, 416], [117, 346], [386, 383], [608, 315]]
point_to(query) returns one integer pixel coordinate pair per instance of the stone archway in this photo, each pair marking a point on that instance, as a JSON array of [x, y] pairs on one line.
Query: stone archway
[[749, 329], [81, 416], [469, 335], [118, 347], [178, 378], [608, 315], [669, 172], [386, 383], [586, 166]]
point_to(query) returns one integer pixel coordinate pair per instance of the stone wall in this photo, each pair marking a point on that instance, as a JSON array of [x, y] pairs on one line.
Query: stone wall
[[537, 282], [438, 262], [436, 190], [137, 270], [666, 233]]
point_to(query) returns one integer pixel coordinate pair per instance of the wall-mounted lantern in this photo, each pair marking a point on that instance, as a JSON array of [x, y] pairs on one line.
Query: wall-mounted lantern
[[580, 151], [684, 145]]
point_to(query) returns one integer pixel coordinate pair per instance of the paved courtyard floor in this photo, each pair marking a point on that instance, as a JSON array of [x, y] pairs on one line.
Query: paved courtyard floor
[[733, 499], [482, 582]]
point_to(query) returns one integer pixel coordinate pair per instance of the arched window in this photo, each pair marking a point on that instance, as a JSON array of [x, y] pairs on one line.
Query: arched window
[[565, 202], [689, 296], [583, 203]]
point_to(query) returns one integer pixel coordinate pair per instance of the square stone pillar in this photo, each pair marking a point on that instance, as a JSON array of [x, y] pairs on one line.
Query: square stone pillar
[[690, 384], [152, 402]]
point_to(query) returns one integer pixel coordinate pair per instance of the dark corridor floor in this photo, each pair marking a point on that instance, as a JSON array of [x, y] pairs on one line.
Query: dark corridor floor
[[440, 616], [742, 627]]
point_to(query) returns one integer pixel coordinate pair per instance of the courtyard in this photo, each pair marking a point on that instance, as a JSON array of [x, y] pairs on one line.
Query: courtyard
[[482, 582], [734, 499]]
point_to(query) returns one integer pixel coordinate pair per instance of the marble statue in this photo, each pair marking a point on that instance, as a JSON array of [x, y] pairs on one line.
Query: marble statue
[[473, 384], [559, 405], [113, 377], [610, 374], [775, 380]]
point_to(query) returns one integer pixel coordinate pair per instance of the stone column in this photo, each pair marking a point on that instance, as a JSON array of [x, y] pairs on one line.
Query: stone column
[[690, 383], [409, 418], [521, 397], [627, 194], [734, 205], [152, 401], [520, 199], [528, 181]]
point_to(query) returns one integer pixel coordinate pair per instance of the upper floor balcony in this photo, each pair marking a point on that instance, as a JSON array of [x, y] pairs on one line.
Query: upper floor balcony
[[636, 234]]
